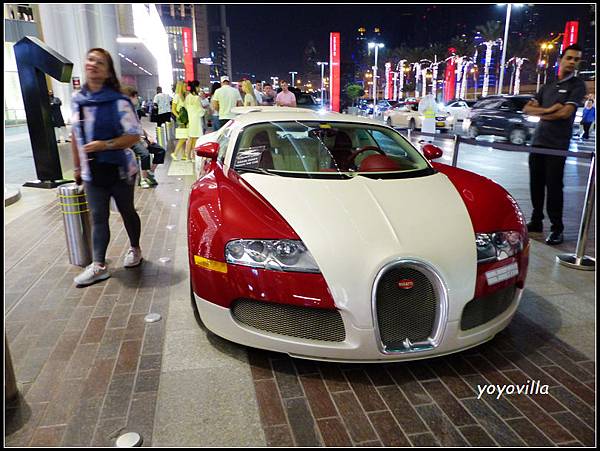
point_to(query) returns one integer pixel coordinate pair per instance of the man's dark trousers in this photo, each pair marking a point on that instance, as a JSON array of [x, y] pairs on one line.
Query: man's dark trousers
[[546, 172]]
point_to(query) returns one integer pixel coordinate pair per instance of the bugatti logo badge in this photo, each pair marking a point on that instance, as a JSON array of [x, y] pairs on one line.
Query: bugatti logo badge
[[406, 284]]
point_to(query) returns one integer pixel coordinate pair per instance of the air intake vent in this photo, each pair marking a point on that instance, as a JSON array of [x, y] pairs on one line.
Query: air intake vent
[[291, 321], [481, 310]]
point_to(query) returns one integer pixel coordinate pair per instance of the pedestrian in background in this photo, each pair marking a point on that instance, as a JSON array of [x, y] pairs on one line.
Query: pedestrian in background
[[163, 101], [178, 110], [214, 113], [588, 119], [143, 148], [249, 97], [60, 130], [195, 112], [285, 97], [556, 103], [106, 128], [207, 111], [258, 92], [225, 99], [269, 95]]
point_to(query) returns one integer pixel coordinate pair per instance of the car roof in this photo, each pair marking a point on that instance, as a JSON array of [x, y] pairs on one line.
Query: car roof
[[258, 114]]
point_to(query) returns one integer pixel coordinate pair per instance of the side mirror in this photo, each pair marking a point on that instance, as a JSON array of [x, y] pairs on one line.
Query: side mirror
[[208, 150], [432, 152]]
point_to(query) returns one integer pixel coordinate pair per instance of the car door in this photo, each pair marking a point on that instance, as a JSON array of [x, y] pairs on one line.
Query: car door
[[489, 116]]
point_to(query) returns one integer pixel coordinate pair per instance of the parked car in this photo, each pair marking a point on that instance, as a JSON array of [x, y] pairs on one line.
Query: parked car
[[501, 116], [330, 237], [385, 105], [305, 100], [365, 107], [408, 116], [458, 108]]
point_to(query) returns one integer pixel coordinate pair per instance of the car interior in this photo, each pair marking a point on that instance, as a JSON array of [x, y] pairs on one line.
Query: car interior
[[328, 150]]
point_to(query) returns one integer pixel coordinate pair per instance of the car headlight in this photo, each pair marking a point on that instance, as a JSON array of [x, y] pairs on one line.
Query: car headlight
[[492, 247], [532, 118], [276, 255]]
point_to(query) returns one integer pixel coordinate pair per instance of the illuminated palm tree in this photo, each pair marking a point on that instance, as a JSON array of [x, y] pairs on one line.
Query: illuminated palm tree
[[490, 33]]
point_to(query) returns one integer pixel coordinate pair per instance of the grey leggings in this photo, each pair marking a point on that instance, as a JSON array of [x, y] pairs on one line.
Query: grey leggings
[[98, 198]]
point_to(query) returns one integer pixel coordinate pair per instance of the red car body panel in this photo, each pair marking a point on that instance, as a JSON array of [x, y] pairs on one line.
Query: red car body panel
[[492, 209], [223, 207]]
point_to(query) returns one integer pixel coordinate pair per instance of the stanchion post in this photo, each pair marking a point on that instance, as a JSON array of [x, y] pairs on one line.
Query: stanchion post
[[579, 260], [455, 153]]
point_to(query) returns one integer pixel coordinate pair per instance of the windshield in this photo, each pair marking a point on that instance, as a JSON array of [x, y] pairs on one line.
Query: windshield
[[327, 150]]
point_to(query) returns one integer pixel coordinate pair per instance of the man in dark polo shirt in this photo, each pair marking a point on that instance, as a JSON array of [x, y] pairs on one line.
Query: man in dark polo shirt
[[556, 103]]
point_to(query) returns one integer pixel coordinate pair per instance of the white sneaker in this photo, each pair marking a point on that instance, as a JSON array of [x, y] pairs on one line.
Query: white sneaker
[[133, 257], [144, 183], [92, 274]]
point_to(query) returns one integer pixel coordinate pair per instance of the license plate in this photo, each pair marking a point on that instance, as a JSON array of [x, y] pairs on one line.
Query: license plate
[[440, 124], [501, 274]]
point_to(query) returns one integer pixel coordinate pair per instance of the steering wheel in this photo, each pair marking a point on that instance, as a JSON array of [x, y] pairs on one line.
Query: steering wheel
[[352, 157]]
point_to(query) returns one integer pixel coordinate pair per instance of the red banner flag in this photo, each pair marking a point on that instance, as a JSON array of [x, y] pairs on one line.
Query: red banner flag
[[188, 55], [571, 32], [334, 71], [450, 80], [388, 81]]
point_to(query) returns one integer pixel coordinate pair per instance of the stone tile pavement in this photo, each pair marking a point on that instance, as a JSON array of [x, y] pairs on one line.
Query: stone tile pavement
[[89, 367]]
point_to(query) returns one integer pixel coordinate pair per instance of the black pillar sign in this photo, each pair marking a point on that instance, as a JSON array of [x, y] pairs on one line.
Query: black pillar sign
[[34, 60]]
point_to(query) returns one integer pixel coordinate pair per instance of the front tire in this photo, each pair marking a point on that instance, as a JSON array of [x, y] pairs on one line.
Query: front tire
[[388, 122], [473, 132], [412, 125]]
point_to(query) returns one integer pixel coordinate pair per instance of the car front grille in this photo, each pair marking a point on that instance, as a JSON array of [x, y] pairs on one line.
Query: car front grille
[[481, 310], [291, 321], [405, 313]]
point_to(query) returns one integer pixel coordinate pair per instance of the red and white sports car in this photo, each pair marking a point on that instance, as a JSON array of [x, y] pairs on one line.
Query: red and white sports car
[[330, 237]]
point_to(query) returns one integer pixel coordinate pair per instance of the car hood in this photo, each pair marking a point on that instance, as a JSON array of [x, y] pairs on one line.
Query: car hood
[[354, 227]]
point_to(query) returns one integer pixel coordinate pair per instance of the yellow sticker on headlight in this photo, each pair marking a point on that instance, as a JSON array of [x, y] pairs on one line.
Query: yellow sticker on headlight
[[211, 265]]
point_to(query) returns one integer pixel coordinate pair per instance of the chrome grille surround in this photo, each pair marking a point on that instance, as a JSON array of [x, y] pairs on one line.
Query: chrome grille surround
[[290, 320], [441, 317]]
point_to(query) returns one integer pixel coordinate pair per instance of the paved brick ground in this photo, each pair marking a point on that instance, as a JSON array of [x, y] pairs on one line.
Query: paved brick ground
[[87, 364], [89, 367], [433, 402]]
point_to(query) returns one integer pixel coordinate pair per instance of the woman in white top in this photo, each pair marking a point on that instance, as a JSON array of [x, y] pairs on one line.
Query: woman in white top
[[195, 113], [249, 98]]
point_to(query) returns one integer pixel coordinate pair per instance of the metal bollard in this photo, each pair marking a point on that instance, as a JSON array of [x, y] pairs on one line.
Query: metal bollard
[[76, 217], [159, 137], [579, 260], [455, 153]]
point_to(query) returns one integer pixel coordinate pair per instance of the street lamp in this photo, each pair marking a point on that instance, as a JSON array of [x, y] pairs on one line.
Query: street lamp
[[293, 75], [322, 64], [377, 46], [505, 45]]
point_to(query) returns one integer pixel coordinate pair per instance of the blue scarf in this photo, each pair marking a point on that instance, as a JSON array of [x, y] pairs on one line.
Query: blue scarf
[[107, 121]]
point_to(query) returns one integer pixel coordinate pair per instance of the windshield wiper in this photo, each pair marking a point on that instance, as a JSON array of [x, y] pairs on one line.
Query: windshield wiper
[[254, 170]]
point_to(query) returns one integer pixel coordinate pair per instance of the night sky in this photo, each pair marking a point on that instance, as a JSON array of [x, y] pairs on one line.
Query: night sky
[[270, 40]]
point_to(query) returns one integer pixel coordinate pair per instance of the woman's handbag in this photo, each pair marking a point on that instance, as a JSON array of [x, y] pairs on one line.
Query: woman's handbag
[[182, 118]]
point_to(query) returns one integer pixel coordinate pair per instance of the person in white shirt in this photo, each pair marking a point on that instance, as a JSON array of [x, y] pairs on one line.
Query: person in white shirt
[[258, 92], [163, 101], [224, 99]]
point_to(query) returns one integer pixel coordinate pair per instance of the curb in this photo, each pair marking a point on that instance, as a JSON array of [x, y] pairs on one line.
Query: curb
[[12, 194]]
